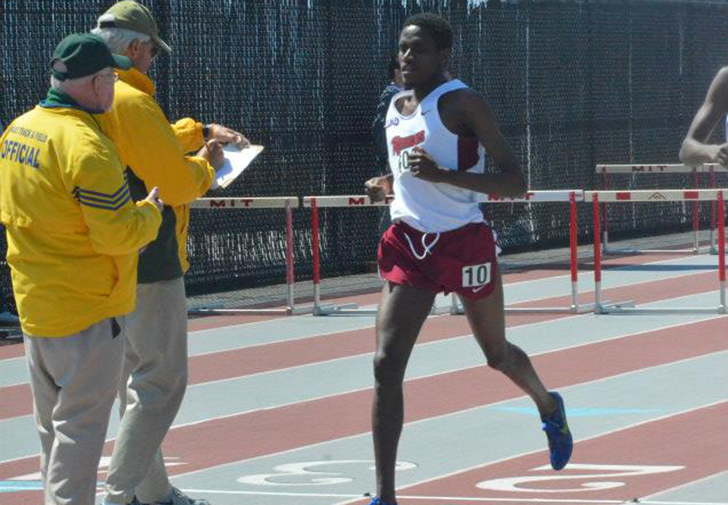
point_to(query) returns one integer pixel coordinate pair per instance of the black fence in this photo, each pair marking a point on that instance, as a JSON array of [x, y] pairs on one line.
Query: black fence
[[573, 84]]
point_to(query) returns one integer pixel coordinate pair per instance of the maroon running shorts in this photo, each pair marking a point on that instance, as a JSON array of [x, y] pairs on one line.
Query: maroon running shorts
[[463, 260]]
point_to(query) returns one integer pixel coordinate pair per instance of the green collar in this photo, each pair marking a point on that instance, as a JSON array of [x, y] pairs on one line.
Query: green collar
[[56, 100]]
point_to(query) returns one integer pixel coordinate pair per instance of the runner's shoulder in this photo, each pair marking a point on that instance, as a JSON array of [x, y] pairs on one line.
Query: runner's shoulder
[[463, 101]]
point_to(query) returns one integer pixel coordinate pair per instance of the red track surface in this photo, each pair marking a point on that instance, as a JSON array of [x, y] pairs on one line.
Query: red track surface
[[269, 431], [262, 432], [658, 443], [16, 401]]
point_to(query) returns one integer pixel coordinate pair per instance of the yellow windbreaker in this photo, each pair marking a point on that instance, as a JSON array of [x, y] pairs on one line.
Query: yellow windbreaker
[[155, 152], [73, 232]]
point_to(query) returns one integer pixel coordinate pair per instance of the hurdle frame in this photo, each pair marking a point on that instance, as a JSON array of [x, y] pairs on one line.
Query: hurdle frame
[[663, 168], [598, 197], [287, 204], [348, 201], [340, 201], [572, 196]]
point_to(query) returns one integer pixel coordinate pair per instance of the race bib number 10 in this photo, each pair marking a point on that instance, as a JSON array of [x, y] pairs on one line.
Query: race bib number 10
[[403, 162], [476, 275]]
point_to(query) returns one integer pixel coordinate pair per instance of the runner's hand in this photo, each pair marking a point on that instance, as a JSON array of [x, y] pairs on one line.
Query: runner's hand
[[423, 166], [212, 152], [378, 187]]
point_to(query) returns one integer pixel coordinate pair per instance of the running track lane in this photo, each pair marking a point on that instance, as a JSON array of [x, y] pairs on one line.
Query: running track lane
[[694, 440], [235, 438], [546, 271], [16, 400]]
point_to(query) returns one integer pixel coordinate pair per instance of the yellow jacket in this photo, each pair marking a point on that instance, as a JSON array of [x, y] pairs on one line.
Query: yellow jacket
[[73, 231], [156, 154]]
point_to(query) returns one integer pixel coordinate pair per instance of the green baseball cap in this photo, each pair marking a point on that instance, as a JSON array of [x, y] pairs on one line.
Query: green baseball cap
[[132, 16], [85, 54]]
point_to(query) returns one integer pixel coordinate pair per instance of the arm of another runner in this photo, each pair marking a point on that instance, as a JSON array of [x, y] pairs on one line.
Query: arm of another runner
[[695, 151], [476, 116]]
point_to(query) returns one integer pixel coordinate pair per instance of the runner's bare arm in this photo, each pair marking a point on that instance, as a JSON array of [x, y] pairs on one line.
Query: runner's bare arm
[[475, 114], [695, 150]]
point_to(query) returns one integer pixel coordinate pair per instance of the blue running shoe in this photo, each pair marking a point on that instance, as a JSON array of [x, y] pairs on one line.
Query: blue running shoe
[[559, 435], [378, 501]]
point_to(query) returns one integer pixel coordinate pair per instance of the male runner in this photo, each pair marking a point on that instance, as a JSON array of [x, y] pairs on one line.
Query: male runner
[[438, 132], [695, 148]]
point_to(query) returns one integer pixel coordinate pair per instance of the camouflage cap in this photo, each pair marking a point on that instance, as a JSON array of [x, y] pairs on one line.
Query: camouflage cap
[[132, 16]]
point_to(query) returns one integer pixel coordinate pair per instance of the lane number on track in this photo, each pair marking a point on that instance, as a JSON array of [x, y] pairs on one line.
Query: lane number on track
[[314, 473], [586, 480]]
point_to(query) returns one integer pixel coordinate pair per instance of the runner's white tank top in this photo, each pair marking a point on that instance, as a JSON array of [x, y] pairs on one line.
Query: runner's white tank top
[[426, 206]]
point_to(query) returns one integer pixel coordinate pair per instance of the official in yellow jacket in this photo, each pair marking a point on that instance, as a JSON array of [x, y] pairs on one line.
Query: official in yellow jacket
[[73, 241], [155, 153]]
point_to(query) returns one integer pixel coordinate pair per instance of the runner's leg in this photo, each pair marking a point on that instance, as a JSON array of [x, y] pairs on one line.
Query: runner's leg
[[487, 320], [402, 312]]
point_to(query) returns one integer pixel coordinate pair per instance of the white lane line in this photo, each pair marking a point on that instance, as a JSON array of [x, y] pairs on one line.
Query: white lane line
[[10, 360], [607, 287], [653, 502], [403, 497], [248, 324], [270, 493], [441, 416], [449, 498], [368, 388], [468, 335], [581, 440], [313, 335], [687, 484], [471, 409], [370, 326], [516, 283], [358, 390], [678, 262], [250, 411], [461, 337]]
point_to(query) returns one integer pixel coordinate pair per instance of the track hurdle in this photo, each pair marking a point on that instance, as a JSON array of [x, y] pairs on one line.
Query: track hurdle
[[598, 197], [572, 197], [287, 204], [567, 196], [667, 168], [341, 201]]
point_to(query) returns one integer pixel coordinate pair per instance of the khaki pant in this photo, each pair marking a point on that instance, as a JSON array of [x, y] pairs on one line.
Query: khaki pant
[[153, 385], [74, 381]]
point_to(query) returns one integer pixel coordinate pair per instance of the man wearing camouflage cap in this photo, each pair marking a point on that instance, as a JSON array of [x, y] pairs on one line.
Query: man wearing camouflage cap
[[154, 378], [67, 211]]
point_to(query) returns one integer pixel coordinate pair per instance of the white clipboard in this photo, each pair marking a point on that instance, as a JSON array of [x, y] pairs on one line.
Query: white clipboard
[[236, 161]]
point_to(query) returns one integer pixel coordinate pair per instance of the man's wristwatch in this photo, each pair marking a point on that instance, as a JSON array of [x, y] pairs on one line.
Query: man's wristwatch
[[206, 131]]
